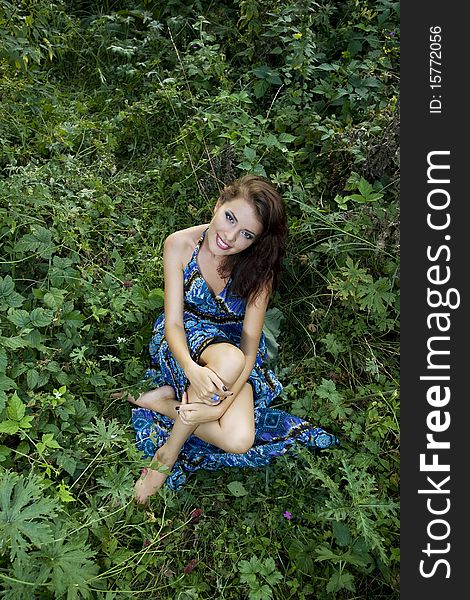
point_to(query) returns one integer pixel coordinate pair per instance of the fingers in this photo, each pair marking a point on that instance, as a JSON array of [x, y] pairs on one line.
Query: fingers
[[184, 398], [185, 414], [212, 402], [184, 419], [216, 385], [190, 413], [214, 399], [207, 384], [208, 387], [219, 384], [187, 407], [221, 389], [211, 397]]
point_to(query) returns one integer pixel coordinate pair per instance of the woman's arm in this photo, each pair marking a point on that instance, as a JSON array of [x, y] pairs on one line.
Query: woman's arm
[[174, 298], [249, 343], [205, 382]]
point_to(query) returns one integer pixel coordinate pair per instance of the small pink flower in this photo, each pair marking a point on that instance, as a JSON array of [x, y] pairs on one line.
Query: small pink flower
[[146, 543], [287, 515], [190, 566]]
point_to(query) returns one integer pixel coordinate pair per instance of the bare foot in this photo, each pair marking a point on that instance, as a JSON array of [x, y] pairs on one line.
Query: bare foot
[[150, 481], [151, 399]]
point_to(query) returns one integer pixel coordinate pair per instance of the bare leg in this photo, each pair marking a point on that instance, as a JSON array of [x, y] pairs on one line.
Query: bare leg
[[151, 398], [233, 432], [157, 399], [229, 365], [166, 455]]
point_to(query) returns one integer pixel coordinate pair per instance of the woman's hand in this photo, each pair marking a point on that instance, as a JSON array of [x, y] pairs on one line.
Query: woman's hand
[[196, 412], [207, 385]]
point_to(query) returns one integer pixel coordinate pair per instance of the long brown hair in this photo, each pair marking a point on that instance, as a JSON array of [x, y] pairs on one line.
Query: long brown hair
[[258, 267]]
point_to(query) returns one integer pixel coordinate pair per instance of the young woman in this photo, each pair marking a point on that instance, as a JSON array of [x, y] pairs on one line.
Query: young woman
[[209, 351]]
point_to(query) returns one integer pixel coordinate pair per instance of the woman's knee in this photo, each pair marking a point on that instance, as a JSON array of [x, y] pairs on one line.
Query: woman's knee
[[226, 360], [241, 443]]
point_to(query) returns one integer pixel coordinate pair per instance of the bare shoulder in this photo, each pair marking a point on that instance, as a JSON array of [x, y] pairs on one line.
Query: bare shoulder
[[180, 244]]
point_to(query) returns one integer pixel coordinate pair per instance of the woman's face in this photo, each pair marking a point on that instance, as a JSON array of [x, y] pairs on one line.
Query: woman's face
[[233, 228]]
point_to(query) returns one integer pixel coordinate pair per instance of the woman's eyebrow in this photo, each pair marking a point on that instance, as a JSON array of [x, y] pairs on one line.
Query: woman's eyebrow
[[235, 218]]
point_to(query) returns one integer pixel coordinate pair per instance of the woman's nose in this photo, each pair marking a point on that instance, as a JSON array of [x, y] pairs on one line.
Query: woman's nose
[[231, 236]]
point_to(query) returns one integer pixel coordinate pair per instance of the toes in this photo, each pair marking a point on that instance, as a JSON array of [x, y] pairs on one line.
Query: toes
[[140, 500], [139, 497], [121, 395], [147, 485]]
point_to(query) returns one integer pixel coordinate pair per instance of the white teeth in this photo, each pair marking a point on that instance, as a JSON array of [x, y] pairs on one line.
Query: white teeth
[[221, 244]]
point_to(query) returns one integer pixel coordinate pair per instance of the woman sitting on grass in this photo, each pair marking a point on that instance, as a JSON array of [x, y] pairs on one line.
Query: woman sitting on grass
[[210, 405]]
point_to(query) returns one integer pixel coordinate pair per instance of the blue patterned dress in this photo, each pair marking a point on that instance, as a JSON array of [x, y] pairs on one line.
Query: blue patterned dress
[[208, 319]]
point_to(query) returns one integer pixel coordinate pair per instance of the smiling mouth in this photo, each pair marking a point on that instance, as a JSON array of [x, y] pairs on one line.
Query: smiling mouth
[[221, 244]]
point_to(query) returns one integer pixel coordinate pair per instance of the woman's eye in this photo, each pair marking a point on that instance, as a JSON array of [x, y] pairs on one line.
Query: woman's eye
[[247, 235], [229, 217]]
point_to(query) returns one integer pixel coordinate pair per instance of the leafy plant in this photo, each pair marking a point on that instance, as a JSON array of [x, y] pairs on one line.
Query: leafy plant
[[25, 515], [261, 577]]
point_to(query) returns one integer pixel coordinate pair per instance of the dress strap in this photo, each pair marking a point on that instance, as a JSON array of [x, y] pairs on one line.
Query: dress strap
[[192, 264], [199, 243]]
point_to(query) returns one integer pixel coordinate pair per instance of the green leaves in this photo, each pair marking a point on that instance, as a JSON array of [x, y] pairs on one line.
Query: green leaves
[[116, 484], [327, 390], [249, 154], [17, 418], [342, 533], [237, 489], [376, 296], [26, 522], [272, 329], [340, 579], [47, 441], [38, 317], [333, 345], [67, 565], [261, 576], [366, 192], [24, 514], [32, 35], [266, 77], [302, 555], [32, 378], [358, 288], [103, 433], [8, 297], [16, 409], [6, 287], [38, 241], [3, 360]]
